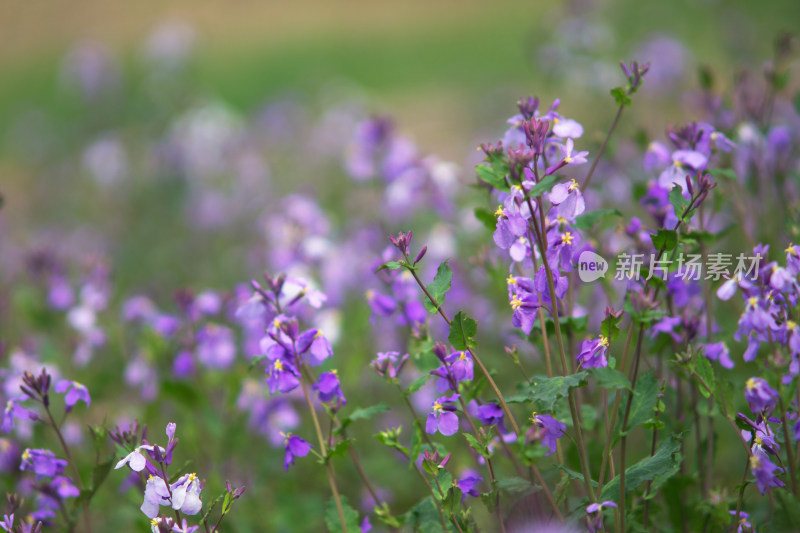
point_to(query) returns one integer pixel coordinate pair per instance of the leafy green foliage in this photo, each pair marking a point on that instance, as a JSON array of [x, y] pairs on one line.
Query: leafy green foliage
[[462, 330], [545, 392], [645, 396], [439, 287], [659, 468], [477, 445], [391, 265], [332, 520], [544, 185], [609, 327], [610, 378], [486, 217], [362, 413], [494, 174], [620, 96], [587, 220], [665, 239]]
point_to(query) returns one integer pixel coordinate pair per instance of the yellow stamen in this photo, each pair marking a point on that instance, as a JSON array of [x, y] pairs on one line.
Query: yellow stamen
[[499, 211], [567, 238], [603, 340], [511, 280], [515, 302]]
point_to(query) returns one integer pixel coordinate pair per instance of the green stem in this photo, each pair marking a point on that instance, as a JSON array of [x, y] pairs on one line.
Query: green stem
[[323, 449], [78, 480], [602, 148]]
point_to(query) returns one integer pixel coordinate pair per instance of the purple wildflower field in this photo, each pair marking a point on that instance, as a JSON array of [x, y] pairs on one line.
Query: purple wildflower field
[[294, 317]]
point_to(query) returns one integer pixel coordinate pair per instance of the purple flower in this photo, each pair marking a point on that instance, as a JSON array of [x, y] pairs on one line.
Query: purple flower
[[760, 395], [743, 524], [381, 304], [156, 493], [75, 392], [718, 351], [764, 472], [460, 366], [328, 388], [596, 522], [490, 414], [443, 418], [186, 494], [315, 343], [561, 246], [566, 127], [467, 483], [524, 304], [568, 198], [42, 463], [593, 353], [389, 363], [216, 347], [136, 459], [548, 431], [184, 528], [14, 410], [295, 447], [282, 376]]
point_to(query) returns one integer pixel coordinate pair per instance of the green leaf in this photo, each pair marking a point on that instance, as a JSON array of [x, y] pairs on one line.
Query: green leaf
[[641, 317], [334, 523], [486, 217], [254, 361], [787, 515], [676, 198], [545, 392], [391, 265], [445, 480], [659, 467], [339, 449], [588, 220], [418, 383], [544, 185], [703, 368], [514, 485], [494, 174], [610, 378], [609, 328], [462, 329], [423, 518], [362, 413], [665, 239], [416, 444], [476, 445], [575, 475], [439, 287], [620, 96], [645, 396], [100, 472]]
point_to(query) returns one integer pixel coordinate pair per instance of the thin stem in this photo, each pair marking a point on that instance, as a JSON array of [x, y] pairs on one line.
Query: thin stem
[[788, 441], [323, 449], [475, 357], [584, 459], [741, 491], [602, 148], [614, 411], [78, 480], [636, 360]]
